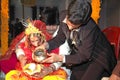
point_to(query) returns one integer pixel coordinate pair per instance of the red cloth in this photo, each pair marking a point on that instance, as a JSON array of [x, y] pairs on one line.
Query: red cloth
[[8, 64], [9, 60], [42, 27]]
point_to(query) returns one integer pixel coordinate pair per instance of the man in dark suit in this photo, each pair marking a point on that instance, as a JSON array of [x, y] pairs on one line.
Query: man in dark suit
[[91, 56]]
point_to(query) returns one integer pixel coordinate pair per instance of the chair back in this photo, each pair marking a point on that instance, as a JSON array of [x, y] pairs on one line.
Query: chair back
[[113, 35]]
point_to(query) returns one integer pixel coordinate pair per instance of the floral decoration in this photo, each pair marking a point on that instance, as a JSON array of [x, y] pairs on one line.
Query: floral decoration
[[96, 4], [4, 26]]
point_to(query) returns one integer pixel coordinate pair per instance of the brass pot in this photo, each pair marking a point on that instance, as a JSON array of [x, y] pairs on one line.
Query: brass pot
[[39, 55]]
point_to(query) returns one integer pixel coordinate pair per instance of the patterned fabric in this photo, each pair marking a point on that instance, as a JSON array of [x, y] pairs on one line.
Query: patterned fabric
[[20, 75]]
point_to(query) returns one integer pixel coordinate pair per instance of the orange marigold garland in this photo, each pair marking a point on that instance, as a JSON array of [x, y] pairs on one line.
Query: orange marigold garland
[[4, 26], [96, 10]]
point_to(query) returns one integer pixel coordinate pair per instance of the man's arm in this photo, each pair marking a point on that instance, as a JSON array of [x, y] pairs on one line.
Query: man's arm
[[58, 40]]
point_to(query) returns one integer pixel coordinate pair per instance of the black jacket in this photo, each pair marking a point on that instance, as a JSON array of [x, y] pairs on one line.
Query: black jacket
[[93, 47]]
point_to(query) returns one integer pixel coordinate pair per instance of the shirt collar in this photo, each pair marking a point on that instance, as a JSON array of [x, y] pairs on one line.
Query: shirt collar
[[64, 21]]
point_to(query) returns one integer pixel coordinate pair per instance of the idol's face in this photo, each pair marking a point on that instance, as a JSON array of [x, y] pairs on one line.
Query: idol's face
[[34, 41]]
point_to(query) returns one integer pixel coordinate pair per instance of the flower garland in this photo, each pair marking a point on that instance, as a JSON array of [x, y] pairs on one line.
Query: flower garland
[[4, 26], [96, 10]]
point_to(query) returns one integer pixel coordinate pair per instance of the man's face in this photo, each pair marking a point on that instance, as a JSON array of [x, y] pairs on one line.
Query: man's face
[[71, 26], [51, 29]]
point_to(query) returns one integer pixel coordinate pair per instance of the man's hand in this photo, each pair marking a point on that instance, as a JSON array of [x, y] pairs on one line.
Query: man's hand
[[114, 77], [45, 71], [52, 57]]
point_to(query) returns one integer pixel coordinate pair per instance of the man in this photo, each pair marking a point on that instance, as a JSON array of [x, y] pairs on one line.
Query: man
[[50, 15], [91, 56]]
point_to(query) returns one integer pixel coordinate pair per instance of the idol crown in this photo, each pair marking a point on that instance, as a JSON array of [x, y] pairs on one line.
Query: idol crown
[[30, 28]]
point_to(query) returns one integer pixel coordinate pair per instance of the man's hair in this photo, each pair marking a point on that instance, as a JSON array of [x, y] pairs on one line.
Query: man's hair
[[50, 15], [79, 11]]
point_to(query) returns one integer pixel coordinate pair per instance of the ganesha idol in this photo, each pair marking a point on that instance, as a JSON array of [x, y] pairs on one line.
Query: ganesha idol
[[34, 37]]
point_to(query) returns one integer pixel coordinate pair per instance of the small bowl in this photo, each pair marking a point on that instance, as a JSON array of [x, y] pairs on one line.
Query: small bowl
[[39, 55]]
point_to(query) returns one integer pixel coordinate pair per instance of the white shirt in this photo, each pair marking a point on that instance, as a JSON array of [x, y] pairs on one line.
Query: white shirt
[[64, 49]]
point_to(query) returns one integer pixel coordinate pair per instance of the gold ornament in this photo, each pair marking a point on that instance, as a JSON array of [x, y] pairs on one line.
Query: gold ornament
[[31, 29]]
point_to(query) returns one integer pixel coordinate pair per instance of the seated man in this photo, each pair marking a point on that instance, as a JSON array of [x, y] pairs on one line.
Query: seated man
[[50, 15]]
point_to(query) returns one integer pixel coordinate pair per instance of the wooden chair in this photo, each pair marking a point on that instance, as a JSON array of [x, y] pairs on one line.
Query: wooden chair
[[113, 35]]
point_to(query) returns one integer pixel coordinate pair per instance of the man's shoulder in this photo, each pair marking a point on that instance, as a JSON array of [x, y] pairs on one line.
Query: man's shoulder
[[63, 25], [62, 15], [90, 25]]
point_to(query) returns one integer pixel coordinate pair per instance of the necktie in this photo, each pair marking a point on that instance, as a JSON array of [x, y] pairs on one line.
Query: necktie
[[75, 40], [74, 37]]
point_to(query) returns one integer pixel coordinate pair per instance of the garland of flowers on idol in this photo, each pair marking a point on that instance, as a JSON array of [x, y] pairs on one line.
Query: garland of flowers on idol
[[4, 26]]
